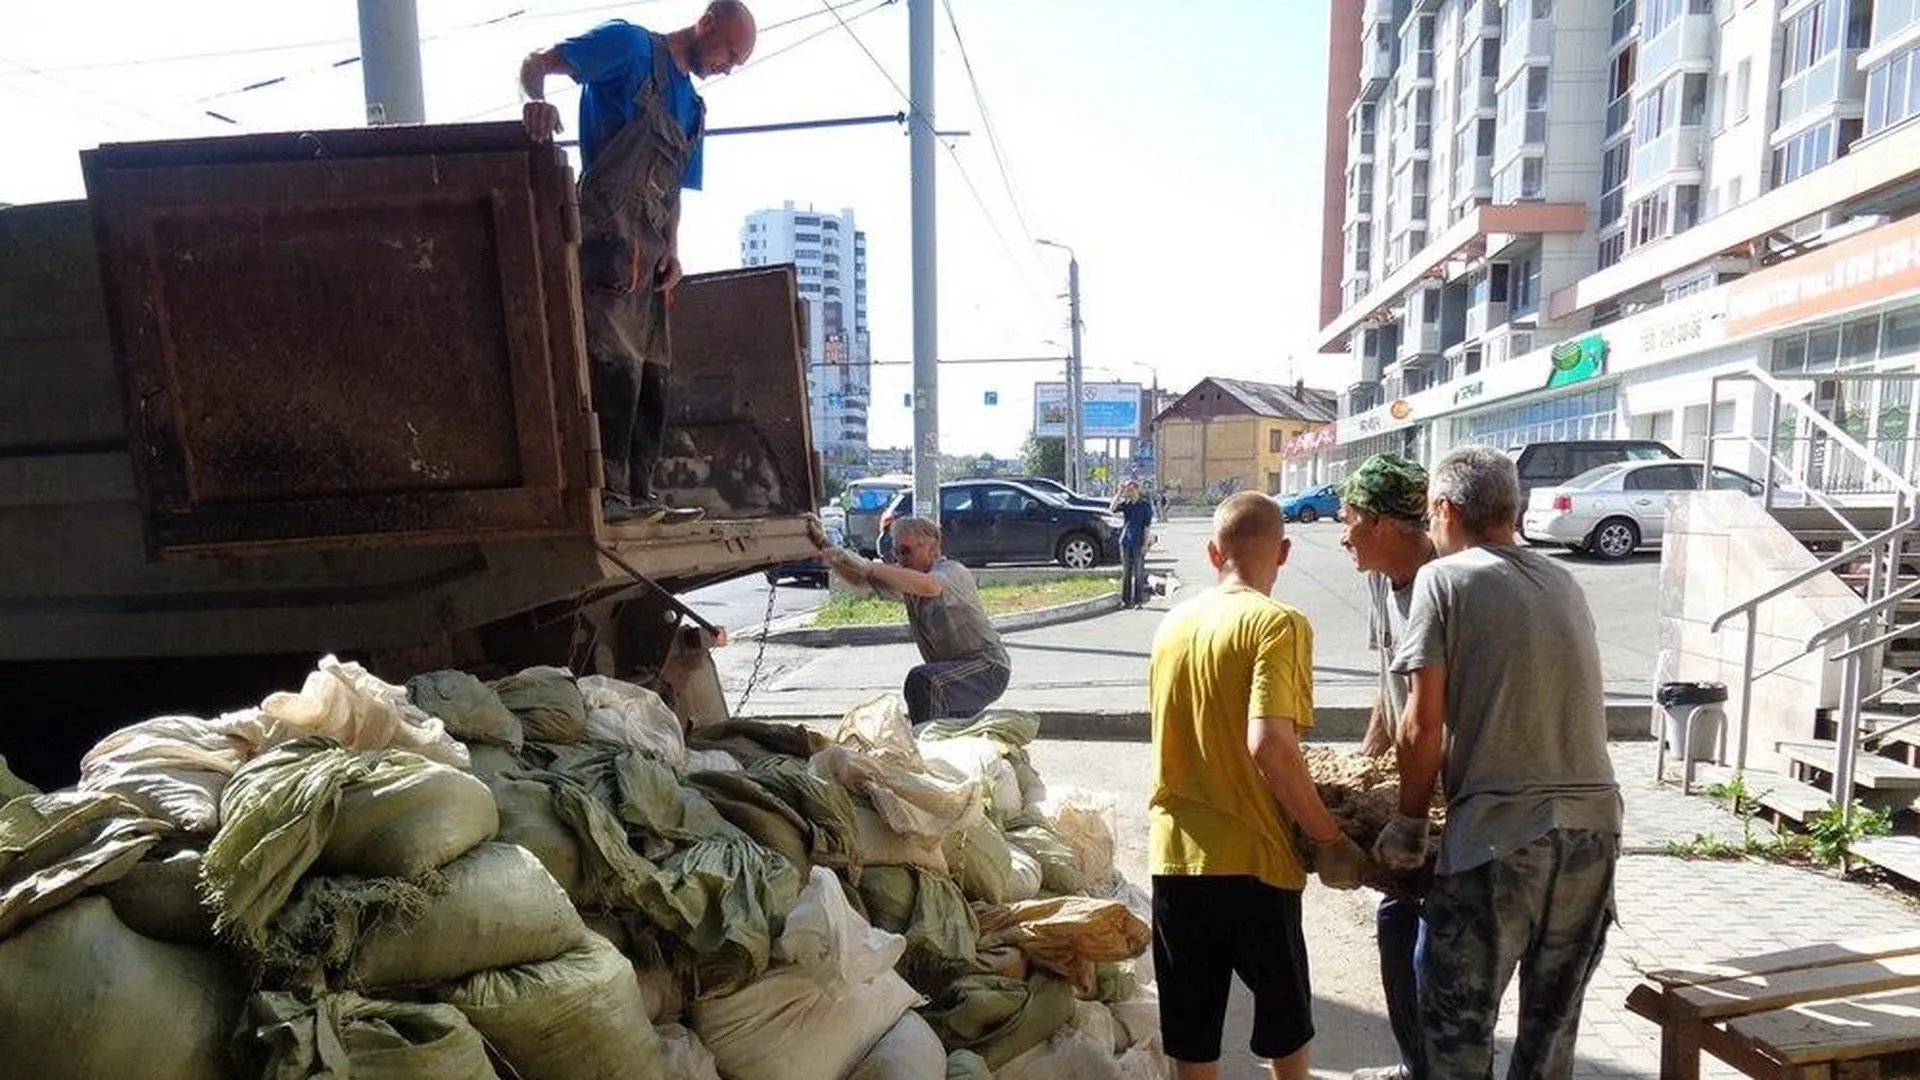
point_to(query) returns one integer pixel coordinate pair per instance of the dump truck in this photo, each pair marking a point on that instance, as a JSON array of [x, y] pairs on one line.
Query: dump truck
[[272, 396]]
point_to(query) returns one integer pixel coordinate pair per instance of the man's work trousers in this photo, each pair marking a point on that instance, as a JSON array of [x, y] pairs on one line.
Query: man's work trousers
[[1544, 909], [941, 689]]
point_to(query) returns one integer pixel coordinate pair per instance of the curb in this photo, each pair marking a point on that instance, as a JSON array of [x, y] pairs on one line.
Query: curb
[[1626, 722], [794, 631]]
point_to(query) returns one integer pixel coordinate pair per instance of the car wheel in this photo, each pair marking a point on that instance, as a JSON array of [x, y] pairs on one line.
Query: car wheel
[[1308, 515], [1613, 539], [1077, 551]]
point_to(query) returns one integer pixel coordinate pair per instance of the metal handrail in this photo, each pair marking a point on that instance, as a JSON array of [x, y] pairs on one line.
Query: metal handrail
[[1784, 393], [1901, 683], [1818, 498], [1897, 632], [1870, 610]]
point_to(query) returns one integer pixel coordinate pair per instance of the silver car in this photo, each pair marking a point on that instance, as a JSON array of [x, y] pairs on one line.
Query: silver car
[[1614, 510]]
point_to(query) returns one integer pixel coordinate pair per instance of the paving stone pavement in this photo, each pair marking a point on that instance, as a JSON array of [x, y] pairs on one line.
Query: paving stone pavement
[[1676, 911]]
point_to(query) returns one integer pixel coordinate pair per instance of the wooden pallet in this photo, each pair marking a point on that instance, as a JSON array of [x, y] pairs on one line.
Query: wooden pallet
[[1842, 1010]]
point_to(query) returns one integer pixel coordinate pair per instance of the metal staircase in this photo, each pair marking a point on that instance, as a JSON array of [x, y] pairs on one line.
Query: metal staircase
[[1861, 518]]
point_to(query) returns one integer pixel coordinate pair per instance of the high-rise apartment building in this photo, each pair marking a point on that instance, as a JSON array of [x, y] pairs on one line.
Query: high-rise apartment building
[[1562, 217], [829, 255]]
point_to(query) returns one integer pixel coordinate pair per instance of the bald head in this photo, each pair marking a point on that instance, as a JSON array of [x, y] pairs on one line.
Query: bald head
[[723, 39]]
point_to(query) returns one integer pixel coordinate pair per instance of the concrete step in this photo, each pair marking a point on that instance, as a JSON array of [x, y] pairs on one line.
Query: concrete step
[[1898, 855], [1875, 719], [1785, 796], [1870, 769]]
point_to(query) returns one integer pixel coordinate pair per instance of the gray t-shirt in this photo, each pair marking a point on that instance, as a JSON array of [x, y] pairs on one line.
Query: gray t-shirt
[[953, 625], [1526, 738], [1386, 628]]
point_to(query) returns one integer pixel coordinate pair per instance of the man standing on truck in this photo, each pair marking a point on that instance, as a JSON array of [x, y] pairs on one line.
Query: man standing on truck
[[1383, 525], [641, 131], [964, 667], [1505, 708]]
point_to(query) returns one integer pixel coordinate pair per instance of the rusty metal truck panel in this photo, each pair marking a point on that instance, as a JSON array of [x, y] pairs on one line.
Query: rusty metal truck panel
[[341, 338]]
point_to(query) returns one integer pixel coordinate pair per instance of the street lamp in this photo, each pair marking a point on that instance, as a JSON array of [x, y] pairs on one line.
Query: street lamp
[[1075, 440]]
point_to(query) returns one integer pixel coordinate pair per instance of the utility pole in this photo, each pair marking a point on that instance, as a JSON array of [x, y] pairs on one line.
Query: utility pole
[[390, 62], [926, 338], [1076, 399]]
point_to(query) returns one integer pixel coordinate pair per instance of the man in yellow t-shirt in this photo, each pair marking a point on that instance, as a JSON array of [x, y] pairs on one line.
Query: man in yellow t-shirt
[[1232, 688]]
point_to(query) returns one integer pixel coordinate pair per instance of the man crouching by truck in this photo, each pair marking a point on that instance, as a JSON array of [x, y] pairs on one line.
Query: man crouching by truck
[[965, 668], [641, 128]]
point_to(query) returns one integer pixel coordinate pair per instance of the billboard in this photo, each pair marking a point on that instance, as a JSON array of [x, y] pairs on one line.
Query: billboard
[[1111, 410]]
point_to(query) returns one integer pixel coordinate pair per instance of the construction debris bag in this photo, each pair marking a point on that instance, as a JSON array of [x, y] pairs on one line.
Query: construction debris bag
[[578, 1016], [876, 843], [750, 740], [739, 893], [314, 804], [1000, 1018], [345, 703], [758, 813], [928, 910], [620, 712], [879, 729], [160, 897], [345, 1035], [1011, 727], [827, 808], [1060, 872], [910, 1051], [499, 908], [171, 767], [490, 761], [53, 847], [548, 703], [981, 862], [86, 998], [912, 803], [1085, 821], [1066, 935], [979, 759], [11, 786], [816, 1017], [711, 761], [1023, 880], [471, 710]]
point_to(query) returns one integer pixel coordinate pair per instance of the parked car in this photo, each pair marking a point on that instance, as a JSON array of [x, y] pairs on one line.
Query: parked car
[[1547, 464], [1047, 486], [996, 520], [812, 570], [867, 500], [1310, 505], [1614, 510]]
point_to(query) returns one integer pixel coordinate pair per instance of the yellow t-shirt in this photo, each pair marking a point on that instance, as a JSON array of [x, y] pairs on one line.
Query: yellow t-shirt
[[1226, 655]]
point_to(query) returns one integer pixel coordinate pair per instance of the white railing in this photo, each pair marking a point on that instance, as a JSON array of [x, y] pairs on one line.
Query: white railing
[[1864, 634]]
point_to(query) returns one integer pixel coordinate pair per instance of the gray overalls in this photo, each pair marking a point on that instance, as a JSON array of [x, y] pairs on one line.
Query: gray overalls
[[629, 207]]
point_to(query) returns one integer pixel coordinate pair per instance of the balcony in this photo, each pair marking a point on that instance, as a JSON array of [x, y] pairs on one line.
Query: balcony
[[1531, 43], [1472, 178], [1485, 316], [1418, 341], [1376, 67], [1360, 206], [1676, 151], [1353, 288], [1686, 40], [1619, 111], [1836, 80]]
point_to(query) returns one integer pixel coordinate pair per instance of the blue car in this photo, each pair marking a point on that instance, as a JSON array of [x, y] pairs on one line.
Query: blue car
[[1310, 505]]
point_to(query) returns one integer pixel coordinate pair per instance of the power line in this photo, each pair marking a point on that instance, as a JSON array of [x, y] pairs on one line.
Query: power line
[[986, 120]]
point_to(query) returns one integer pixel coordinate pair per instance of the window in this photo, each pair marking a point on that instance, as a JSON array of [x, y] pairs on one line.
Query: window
[[1806, 39], [1728, 480], [1893, 91], [1275, 440], [1742, 89], [1664, 478], [956, 500], [1693, 100], [1686, 207]]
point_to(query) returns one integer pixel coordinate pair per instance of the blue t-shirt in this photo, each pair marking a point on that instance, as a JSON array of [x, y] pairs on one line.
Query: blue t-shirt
[[1138, 515], [612, 61]]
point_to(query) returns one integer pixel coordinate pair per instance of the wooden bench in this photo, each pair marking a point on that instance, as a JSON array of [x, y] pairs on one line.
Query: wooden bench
[[1846, 1010]]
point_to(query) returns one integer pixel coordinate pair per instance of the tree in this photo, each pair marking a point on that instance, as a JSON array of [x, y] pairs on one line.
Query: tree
[[1044, 456]]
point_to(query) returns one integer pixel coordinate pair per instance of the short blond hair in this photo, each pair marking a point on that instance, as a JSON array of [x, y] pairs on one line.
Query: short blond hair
[[1245, 520]]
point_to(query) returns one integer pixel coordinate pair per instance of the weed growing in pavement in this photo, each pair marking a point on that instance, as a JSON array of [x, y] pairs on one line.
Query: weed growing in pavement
[[1829, 839], [1831, 835]]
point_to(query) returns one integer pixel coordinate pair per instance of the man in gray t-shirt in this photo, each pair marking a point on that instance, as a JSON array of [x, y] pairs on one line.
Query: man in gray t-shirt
[[964, 666], [1504, 706]]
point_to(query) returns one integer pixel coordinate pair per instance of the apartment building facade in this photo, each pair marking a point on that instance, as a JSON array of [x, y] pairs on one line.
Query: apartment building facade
[[829, 255], [1564, 217]]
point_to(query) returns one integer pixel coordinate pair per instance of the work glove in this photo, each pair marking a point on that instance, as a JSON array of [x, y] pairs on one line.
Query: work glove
[[1402, 844], [1339, 862]]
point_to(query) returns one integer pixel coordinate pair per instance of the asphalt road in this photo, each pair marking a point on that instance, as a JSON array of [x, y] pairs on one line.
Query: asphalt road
[[742, 602]]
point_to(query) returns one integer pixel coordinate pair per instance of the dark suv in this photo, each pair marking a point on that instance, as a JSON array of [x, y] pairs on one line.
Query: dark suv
[[1547, 464], [985, 521]]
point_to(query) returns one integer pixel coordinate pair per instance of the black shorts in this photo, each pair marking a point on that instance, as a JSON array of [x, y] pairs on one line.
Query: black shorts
[[1205, 931]]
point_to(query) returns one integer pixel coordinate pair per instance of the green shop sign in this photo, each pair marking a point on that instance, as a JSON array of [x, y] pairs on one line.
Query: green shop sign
[[1577, 361]]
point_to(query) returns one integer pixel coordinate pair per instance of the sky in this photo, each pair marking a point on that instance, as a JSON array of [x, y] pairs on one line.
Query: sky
[[1175, 147]]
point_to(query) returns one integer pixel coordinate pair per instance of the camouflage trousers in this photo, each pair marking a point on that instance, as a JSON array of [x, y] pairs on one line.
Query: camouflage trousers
[[1543, 909]]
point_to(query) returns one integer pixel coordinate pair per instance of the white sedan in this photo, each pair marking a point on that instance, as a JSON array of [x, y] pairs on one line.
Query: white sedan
[[1613, 510]]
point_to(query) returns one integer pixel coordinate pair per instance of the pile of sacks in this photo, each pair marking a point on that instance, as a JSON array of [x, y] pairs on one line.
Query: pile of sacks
[[547, 878]]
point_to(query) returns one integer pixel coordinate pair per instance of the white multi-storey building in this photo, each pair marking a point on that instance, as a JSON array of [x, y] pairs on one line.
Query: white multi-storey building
[[829, 255], [1654, 191]]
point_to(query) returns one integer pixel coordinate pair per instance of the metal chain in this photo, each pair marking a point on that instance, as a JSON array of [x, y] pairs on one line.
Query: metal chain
[[759, 657]]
